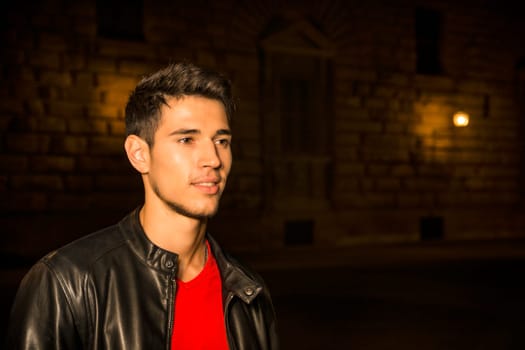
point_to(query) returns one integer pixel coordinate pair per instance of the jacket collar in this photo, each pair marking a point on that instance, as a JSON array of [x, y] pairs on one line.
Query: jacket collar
[[152, 255], [236, 280]]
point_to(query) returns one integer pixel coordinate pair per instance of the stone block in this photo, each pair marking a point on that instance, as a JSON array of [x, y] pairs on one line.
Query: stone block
[[52, 163], [50, 124], [24, 201], [45, 59], [36, 182], [99, 64], [117, 182], [11, 163], [135, 67], [66, 109], [117, 128], [99, 110], [116, 48], [109, 164], [108, 145], [88, 126], [28, 143], [67, 144], [74, 62], [51, 41], [79, 183]]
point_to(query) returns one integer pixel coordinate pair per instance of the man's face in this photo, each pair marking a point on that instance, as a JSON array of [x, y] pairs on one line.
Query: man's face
[[191, 156]]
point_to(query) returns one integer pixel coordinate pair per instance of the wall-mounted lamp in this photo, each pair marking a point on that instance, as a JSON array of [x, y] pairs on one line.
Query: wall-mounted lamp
[[460, 119]]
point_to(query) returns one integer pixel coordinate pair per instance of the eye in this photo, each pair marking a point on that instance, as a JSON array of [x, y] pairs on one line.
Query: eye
[[185, 140], [223, 142]]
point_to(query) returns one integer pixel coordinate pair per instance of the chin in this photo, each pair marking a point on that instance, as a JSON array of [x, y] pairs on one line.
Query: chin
[[203, 215], [200, 214]]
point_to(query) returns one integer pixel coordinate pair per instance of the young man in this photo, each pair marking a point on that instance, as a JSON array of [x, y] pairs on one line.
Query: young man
[[157, 279]]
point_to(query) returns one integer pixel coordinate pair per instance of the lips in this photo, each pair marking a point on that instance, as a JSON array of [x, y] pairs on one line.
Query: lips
[[207, 186]]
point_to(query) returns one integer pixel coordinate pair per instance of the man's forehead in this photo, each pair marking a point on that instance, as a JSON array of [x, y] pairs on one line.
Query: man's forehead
[[190, 113]]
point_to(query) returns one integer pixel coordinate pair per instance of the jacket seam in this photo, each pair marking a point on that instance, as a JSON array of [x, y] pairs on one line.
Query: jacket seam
[[65, 289]]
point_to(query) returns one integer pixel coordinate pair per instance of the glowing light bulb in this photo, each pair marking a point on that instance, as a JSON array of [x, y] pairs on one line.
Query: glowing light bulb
[[460, 119]]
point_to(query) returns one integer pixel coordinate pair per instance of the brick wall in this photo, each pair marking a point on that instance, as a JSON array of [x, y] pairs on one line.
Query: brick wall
[[396, 157]]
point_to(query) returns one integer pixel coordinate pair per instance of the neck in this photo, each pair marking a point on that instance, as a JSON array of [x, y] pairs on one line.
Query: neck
[[178, 234]]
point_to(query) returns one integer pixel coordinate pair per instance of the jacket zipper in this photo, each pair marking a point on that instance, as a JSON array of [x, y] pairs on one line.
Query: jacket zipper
[[172, 286], [226, 316]]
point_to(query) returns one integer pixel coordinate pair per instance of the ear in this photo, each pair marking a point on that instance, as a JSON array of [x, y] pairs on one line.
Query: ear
[[137, 151]]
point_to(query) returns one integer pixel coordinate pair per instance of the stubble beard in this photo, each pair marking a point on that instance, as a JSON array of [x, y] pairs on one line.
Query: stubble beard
[[181, 209]]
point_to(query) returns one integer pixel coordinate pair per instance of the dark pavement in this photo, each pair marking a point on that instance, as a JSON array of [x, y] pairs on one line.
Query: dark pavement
[[446, 296], [472, 305]]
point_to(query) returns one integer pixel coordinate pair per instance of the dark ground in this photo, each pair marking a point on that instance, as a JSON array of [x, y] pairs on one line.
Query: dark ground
[[445, 296]]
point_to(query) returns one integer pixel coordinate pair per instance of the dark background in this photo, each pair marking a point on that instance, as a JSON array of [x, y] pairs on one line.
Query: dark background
[[376, 223]]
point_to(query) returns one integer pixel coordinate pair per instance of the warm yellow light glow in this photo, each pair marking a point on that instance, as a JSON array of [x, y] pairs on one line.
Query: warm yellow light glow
[[460, 119]]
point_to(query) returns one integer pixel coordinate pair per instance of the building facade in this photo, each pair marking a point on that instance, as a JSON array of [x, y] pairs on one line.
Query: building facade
[[343, 136]]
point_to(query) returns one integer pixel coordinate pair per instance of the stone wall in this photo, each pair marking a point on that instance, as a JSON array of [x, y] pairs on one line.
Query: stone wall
[[395, 157]]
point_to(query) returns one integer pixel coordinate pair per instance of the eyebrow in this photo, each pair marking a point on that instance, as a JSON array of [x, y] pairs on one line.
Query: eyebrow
[[197, 131], [185, 132], [224, 132]]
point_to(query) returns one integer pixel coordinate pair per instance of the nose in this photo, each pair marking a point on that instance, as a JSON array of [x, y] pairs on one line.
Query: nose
[[209, 156]]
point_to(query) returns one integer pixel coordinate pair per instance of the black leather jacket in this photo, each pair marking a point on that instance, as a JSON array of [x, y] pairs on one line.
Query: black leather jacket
[[114, 289]]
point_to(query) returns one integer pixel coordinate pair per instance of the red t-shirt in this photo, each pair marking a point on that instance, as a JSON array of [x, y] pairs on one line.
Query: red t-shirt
[[199, 315]]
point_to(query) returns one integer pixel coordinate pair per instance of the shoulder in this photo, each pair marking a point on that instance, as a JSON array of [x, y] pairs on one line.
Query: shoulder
[[85, 251]]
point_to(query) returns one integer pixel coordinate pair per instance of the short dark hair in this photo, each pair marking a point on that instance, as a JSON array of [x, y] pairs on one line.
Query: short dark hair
[[175, 80]]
